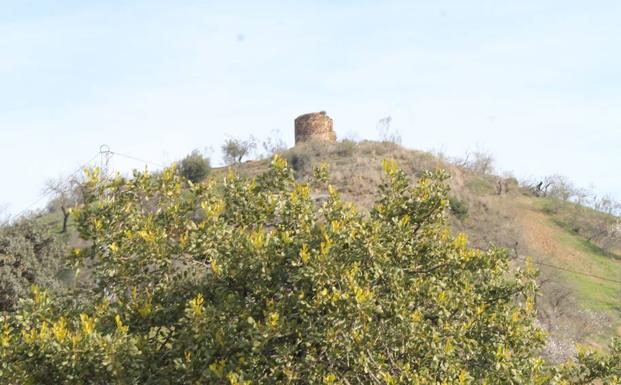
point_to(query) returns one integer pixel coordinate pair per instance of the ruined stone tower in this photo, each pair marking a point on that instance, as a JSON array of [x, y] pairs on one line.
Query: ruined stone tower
[[314, 126]]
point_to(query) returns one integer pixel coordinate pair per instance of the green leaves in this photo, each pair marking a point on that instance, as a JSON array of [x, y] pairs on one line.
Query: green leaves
[[29, 255], [249, 281]]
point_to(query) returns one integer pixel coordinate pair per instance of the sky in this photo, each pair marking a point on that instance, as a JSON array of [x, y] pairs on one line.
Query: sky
[[535, 83]]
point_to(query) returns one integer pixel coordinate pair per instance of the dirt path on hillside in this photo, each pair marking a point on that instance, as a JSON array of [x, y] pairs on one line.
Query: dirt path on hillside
[[544, 241], [540, 236]]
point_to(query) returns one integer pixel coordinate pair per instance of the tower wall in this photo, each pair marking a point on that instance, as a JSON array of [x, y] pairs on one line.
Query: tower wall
[[314, 126]]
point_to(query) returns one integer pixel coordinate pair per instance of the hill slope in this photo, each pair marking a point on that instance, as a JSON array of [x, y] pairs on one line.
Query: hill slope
[[575, 306]]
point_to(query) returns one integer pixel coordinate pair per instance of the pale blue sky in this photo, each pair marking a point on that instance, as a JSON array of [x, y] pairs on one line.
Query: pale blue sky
[[537, 83]]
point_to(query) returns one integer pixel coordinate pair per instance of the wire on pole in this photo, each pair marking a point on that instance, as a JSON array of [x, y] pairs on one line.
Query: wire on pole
[[571, 270], [137, 159], [48, 192]]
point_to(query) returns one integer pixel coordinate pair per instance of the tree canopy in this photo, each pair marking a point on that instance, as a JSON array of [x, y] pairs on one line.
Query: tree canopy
[[195, 166], [251, 281]]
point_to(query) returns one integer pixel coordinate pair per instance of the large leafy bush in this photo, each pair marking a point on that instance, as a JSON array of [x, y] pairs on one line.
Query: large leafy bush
[[195, 167], [250, 282], [29, 254]]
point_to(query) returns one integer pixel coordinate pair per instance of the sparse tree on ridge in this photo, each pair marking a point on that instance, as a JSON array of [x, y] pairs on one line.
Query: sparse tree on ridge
[[479, 161], [274, 144], [235, 150], [388, 133], [65, 196]]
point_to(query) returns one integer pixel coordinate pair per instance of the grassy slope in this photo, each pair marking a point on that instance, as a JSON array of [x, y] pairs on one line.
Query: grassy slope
[[552, 242], [594, 293]]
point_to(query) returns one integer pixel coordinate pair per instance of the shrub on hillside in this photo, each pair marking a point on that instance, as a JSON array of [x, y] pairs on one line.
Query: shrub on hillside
[[248, 282], [299, 160], [459, 208], [195, 167], [29, 254], [345, 148]]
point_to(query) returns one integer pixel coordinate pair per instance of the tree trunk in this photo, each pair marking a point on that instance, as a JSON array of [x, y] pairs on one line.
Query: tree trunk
[[65, 219]]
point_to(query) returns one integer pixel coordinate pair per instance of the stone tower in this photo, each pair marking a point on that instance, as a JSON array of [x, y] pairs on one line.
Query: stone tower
[[314, 126]]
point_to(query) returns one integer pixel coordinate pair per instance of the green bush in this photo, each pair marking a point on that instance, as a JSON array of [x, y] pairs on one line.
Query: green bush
[[248, 282], [299, 160], [29, 254], [459, 208], [346, 148], [195, 167]]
